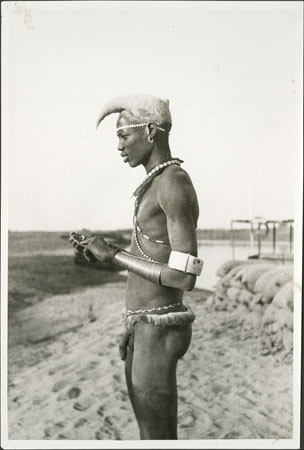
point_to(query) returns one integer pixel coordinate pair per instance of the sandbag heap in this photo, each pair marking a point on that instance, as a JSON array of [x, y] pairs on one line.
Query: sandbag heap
[[260, 294]]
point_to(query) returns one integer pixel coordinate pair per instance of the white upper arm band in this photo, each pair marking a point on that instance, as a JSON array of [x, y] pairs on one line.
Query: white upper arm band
[[185, 263]]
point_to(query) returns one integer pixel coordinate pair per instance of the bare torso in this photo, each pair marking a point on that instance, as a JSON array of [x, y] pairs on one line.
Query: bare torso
[[140, 293]]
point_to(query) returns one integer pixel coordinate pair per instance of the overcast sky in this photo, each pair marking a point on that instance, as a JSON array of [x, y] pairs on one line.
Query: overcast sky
[[232, 73]]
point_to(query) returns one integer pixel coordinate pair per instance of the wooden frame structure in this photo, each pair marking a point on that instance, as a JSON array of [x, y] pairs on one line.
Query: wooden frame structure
[[256, 225]]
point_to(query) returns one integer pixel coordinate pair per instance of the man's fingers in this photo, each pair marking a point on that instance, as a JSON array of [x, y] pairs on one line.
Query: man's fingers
[[123, 346], [86, 255], [123, 353]]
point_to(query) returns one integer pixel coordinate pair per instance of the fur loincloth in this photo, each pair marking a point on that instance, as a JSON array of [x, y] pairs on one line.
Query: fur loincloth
[[160, 320]]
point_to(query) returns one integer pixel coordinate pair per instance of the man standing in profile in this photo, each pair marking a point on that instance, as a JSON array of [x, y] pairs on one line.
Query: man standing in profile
[[162, 263]]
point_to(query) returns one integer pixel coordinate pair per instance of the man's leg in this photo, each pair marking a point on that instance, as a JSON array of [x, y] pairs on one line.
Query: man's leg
[[139, 408], [128, 367], [156, 414], [154, 390]]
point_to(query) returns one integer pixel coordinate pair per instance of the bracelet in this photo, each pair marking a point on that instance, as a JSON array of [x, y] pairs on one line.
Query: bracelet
[[185, 262], [146, 269]]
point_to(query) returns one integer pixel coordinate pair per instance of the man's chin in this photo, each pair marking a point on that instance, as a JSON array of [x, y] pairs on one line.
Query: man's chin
[[133, 164]]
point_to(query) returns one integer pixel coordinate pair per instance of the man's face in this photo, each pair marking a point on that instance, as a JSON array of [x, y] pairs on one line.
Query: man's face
[[133, 143]]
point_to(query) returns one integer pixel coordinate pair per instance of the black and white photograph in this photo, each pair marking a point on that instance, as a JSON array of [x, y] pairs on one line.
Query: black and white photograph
[[151, 224]]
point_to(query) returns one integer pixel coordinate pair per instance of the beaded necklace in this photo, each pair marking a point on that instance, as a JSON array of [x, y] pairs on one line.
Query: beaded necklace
[[150, 175], [138, 193]]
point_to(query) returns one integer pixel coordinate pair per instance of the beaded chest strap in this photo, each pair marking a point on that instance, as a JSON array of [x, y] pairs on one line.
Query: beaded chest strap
[[138, 193]]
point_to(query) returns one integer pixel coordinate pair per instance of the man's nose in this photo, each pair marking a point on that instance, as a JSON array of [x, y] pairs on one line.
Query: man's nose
[[120, 146]]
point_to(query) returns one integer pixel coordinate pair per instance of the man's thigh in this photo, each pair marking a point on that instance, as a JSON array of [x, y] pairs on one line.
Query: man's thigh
[[156, 352]]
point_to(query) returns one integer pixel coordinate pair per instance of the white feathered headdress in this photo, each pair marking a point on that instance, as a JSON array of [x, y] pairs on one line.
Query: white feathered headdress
[[145, 107]]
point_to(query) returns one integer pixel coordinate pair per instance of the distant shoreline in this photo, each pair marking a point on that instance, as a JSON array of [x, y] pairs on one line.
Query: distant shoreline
[[124, 235]]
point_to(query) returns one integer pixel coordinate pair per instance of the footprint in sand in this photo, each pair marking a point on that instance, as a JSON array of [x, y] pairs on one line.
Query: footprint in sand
[[74, 392], [108, 421], [231, 435], [217, 425], [62, 436], [59, 424], [98, 436], [124, 393], [60, 384], [125, 408], [188, 421], [100, 411], [216, 389], [79, 407], [47, 433], [103, 434], [122, 396], [57, 369], [93, 364], [52, 429], [80, 422]]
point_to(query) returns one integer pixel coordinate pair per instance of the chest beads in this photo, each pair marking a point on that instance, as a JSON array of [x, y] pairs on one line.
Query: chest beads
[[138, 193]]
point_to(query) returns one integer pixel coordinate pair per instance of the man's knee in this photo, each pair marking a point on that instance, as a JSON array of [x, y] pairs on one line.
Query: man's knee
[[156, 414], [158, 404]]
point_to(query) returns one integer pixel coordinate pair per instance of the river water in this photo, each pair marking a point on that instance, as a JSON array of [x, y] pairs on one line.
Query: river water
[[215, 253]]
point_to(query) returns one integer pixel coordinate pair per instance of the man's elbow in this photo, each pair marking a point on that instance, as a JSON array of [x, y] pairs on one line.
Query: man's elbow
[[189, 282], [177, 279]]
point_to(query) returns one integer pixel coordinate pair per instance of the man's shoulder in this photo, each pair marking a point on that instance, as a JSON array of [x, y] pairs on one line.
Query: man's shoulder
[[174, 177], [175, 188]]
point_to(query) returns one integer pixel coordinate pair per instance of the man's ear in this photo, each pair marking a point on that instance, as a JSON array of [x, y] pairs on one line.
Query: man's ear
[[151, 129]]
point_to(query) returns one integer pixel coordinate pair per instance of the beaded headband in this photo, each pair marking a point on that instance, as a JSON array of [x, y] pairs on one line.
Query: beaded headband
[[136, 125]]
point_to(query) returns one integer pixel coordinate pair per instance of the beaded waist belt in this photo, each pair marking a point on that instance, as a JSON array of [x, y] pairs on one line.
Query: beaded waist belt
[[129, 312]]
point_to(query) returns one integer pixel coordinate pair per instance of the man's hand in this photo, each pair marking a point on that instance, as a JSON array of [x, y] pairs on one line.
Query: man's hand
[[99, 248], [123, 345]]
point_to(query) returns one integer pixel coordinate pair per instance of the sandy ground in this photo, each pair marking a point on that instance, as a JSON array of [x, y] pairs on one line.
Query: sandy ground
[[66, 380]]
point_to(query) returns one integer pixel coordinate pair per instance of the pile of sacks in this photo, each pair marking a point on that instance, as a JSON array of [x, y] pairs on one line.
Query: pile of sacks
[[261, 296]]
